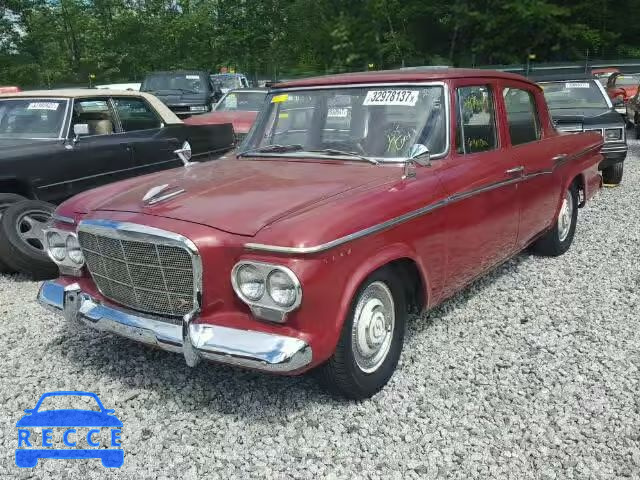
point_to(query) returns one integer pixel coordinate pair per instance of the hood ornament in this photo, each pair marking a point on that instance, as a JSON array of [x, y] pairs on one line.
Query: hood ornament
[[160, 193]]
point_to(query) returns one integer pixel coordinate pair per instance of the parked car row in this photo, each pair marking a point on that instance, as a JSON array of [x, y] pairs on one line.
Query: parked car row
[[352, 201], [579, 103], [57, 143]]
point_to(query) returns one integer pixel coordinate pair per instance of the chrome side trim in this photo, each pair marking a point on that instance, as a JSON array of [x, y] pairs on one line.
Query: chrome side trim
[[245, 348], [137, 167], [390, 223]]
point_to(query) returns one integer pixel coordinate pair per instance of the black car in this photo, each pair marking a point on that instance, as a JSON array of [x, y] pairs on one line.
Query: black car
[[55, 144], [185, 92], [579, 103]]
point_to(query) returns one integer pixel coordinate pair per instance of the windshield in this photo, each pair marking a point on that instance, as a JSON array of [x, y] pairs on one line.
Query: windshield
[[228, 81], [577, 94], [180, 82], [32, 118], [378, 122], [244, 101], [627, 80]]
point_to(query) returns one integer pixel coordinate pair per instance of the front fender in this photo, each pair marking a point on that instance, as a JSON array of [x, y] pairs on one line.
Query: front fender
[[366, 267]]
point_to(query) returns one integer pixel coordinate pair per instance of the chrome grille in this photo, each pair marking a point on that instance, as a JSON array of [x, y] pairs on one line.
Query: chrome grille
[[143, 275]]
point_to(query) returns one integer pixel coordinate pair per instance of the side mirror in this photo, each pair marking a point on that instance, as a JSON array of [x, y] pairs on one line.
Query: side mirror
[[80, 129], [184, 153], [420, 153], [618, 102]]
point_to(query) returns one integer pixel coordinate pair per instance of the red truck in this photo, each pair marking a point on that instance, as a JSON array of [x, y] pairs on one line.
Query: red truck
[[355, 200]]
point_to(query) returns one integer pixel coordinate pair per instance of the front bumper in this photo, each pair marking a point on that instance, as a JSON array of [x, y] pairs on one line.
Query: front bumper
[[613, 154], [245, 348]]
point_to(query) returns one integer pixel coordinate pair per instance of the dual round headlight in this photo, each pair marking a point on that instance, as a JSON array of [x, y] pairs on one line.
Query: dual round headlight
[[266, 285], [63, 247]]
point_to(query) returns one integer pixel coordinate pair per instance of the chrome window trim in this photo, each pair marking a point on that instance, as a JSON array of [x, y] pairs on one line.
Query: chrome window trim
[[143, 233], [64, 118], [445, 93]]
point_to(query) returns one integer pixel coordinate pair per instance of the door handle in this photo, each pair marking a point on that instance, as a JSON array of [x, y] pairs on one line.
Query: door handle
[[559, 158], [514, 170]]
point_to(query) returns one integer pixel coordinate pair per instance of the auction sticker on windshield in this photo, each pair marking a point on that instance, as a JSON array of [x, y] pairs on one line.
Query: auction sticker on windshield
[[576, 85], [391, 97], [43, 106]]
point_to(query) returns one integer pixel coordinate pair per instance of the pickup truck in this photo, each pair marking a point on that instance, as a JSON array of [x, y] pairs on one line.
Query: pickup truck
[[308, 246]]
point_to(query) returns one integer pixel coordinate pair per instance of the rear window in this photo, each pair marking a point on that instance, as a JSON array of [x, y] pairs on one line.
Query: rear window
[[175, 82], [574, 94]]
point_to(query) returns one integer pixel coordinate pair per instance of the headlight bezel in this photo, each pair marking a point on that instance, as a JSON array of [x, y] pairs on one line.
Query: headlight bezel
[[265, 304], [620, 137], [66, 264]]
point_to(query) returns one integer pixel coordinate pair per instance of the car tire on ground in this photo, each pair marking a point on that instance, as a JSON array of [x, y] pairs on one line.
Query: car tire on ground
[[21, 238], [558, 240], [371, 340], [613, 175], [7, 199]]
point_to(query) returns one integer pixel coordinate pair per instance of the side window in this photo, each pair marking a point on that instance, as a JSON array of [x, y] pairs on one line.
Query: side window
[[522, 116], [476, 121], [135, 114], [96, 114]]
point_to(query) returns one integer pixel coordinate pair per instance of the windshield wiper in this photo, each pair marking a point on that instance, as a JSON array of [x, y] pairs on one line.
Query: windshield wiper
[[275, 148], [344, 153]]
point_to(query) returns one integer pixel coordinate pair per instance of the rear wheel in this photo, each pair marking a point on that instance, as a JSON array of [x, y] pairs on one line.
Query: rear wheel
[[22, 238], [7, 199], [613, 175], [371, 339], [558, 240]]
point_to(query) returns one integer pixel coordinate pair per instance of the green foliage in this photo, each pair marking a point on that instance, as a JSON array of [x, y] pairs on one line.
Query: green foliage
[[57, 42]]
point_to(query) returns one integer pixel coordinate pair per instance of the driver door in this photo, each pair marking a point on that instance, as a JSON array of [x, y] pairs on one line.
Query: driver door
[[98, 157]]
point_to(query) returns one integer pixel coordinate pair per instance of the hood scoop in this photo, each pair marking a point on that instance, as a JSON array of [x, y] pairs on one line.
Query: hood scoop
[[161, 193]]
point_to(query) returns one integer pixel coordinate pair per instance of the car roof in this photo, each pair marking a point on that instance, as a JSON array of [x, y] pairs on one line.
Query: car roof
[[248, 90], [421, 74], [560, 77], [168, 72], [167, 115]]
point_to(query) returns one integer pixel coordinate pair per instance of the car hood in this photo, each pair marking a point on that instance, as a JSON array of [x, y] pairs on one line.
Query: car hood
[[69, 418], [240, 120], [238, 196], [587, 116]]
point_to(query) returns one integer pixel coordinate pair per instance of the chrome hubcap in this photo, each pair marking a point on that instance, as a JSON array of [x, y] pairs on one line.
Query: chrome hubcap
[[30, 226], [373, 325], [565, 217]]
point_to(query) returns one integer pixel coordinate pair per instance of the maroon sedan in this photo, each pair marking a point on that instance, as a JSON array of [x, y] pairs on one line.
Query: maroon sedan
[[238, 107], [355, 200]]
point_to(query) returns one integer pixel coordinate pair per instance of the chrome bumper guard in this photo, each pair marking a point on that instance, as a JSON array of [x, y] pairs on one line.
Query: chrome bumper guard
[[245, 348]]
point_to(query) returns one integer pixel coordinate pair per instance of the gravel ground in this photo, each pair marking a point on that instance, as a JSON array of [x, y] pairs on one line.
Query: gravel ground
[[531, 373]]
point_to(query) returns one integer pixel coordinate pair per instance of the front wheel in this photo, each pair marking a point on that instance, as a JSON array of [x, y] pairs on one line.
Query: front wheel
[[613, 175], [22, 238], [371, 339], [558, 240]]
